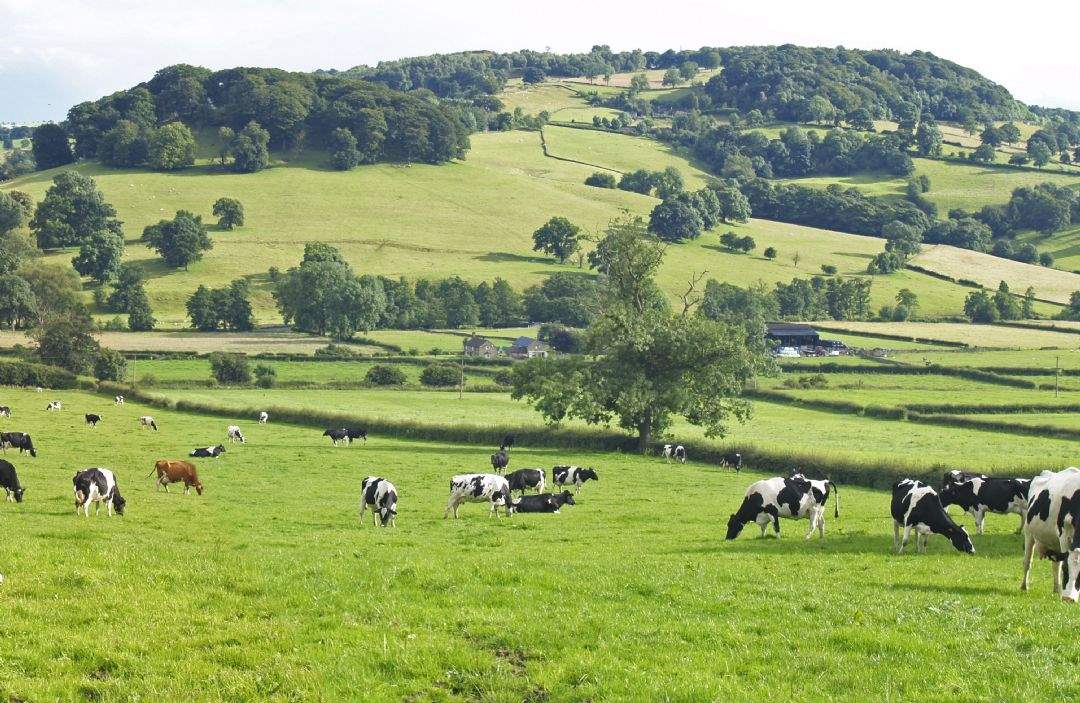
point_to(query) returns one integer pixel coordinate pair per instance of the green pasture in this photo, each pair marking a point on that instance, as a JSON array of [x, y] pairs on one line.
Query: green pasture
[[859, 342], [1005, 358], [989, 271], [1064, 246], [1067, 420], [974, 335], [620, 152], [166, 371]]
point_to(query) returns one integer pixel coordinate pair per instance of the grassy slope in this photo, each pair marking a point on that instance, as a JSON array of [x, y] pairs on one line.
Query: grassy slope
[[975, 335], [258, 591], [1049, 283]]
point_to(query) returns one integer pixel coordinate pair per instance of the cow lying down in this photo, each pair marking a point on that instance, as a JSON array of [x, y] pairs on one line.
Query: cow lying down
[[543, 503]]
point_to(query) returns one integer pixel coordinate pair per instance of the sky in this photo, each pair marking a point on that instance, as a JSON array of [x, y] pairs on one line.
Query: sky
[[55, 53]]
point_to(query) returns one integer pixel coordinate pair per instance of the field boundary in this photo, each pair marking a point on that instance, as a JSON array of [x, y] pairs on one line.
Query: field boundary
[[829, 327], [548, 154]]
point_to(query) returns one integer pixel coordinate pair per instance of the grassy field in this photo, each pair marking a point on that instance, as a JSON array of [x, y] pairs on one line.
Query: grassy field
[[1006, 358], [275, 340], [257, 591], [562, 103], [164, 372], [655, 76], [620, 152], [1049, 283], [860, 342], [1064, 246], [974, 335], [1067, 420]]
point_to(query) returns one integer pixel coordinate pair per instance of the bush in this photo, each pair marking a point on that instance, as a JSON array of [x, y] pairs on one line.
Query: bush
[[440, 375], [110, 365], [230, 368], [265, 376], [601, 179], [335, 351], [504, 378], [21, 373], [770, 253], [385, 375], [828, 269]]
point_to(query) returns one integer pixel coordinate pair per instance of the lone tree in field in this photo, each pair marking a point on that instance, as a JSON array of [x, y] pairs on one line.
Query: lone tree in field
[[230, 213], [172, 147], [558, 237], [645, 363], [180, 240], [72, 211], [100, 253]]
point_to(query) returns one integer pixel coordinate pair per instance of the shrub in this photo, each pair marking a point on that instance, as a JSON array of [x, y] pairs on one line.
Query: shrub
[[230, 368], [828, 269], [110, 365], [770, 253], [335, 351], [504, 378], [385, 375], [440, 375], [265, 376], [601, 179]]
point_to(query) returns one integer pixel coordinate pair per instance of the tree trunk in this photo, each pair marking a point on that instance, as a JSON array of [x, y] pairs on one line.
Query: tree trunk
[[645, 432]]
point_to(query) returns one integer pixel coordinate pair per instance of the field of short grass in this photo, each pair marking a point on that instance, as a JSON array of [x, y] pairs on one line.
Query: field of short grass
[[260, 591], [273, 340], [1049, 283], [620, 152], [1006, 358], [1064, 246], [975, 335]]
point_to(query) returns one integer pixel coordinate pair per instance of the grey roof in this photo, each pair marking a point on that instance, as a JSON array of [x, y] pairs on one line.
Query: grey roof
[[789, 328], [475, 342]]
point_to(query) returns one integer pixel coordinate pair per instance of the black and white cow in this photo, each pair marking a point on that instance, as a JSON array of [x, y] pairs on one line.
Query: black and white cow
[[147, 421], [526, 478], [17, 440], [479, 488], [507, 442], [732, 459], [1053, 525], [92, 419], [356, 433], [264, 417], [97, 486], [676, 452], [979, 495], [119, 400], [10, 482], [337, 435], [562, 475], [234, 434], [5, 411], [768, 500], [208, 452], [916, 506], [54, 405], [381, 495], [500, 460], [543, 503]]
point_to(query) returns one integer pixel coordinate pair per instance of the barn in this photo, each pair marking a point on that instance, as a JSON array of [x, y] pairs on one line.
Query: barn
[[790, 334]]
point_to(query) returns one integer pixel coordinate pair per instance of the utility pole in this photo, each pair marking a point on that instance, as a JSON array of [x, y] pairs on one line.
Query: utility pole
[[1057, 374], [461, 378]]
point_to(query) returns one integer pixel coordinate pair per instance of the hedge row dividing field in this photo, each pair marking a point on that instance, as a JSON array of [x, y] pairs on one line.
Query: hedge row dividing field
[[252, 591]]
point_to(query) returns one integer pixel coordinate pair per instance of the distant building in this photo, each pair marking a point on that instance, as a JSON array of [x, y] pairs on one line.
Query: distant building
[[478, 346], [791, 334], [527, 348]]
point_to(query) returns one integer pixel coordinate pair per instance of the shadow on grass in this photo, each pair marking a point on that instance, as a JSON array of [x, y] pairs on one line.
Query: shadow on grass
[[502, 257]]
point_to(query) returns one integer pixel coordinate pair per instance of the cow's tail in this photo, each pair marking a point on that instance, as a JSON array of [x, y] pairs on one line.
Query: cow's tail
[[836, 505]]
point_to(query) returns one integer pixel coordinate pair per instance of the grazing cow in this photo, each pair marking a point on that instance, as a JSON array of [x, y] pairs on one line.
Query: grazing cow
[[500, 460], [54, 405], [340, 435], [562, 475], [543, 503], [39, 389], [234, 434], [979, 495], [263, 417], [17, 440], [92, 419], [526, 478], [381, 495], [732, 459], [119, 400], [5, 411], [208, 452], [478, 488], [147, 421], [175, 471], [676, 452], [10, 481], [1053, 525], [956, 477], [97, 486], [795, 498], [917, 506], [507, 442], [356, 433]]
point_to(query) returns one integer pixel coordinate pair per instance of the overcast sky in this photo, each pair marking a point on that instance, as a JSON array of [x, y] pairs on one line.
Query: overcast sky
[[54, 53]]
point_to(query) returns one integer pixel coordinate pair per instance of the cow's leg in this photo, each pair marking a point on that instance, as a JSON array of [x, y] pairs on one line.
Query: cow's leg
[[813, 523], [449, 506], [904, 541], [896, 536], [980, 517], [821, 522], [1029, 549], [375, 516], [363, 507]]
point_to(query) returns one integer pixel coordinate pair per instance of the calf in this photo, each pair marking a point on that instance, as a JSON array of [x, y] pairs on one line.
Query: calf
[[54, 405], [176, 471], [1053, 526], [676, 452], [562, 475], [97, 486], [979, 495], [543, 503], [507, 442], [208, 452], [263, 417], [917, 506], [770, 499], [10, 481], [234, 434], [381, 495], [119, 400], [92, 419], [526, 478], [5, 411], [500, 460], [732, 459], [478, 488], [147, 421], [19, 440], [340, 435]]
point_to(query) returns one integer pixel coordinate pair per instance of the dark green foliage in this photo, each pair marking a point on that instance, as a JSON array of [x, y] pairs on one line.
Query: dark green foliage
[[67, 342], [172, 147], [820, 298], [323, 296], [343, 152], [966, 233], [601, 179], [1072, 310], [51, 147], [226, 308], [640, 181], [1007, 305], [11, 213], [110, 365], [140, 316], [128, 279], [250, 149], [125, 145], [558, 237], [440, 375], [979, 307], [227, 368], [565, 340], [569, 298], [265, 376], [532, 74], [180, 241], [72, 211], [100, 253], [22, 373], [674, 221], [18, 305], [928, 138], [733, 206], [828, 269], [230, 213], [57, 290], [385, 375], [770, 253]]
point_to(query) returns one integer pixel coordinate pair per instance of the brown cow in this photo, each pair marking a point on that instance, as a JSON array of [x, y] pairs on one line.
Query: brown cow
[[174, 471]]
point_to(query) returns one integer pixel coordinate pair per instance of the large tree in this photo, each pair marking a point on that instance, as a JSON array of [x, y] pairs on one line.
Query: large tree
[[172, 147], [558, 237], [645, 364], [324, 296], [67, 342], [72, 211], [51, 146], [251, 149], [675, 220], [179, 241], [99, 255], [230, 213], [17, 302]]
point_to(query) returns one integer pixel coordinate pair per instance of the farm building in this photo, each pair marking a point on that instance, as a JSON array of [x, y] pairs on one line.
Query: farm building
[[478, 346], [789, 334], [527, 348]]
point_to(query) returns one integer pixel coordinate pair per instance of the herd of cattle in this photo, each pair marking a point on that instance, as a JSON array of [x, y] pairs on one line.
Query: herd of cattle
[[1048, 505]]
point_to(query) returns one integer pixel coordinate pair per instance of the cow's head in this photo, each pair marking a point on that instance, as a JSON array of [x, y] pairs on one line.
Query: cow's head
[[960, 539], [508, 501], [586, 474], [219, 449], [18, 493], [118, 503], [567, 498], [950, 495], [734, 526], [388, 510], [198, 487]]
